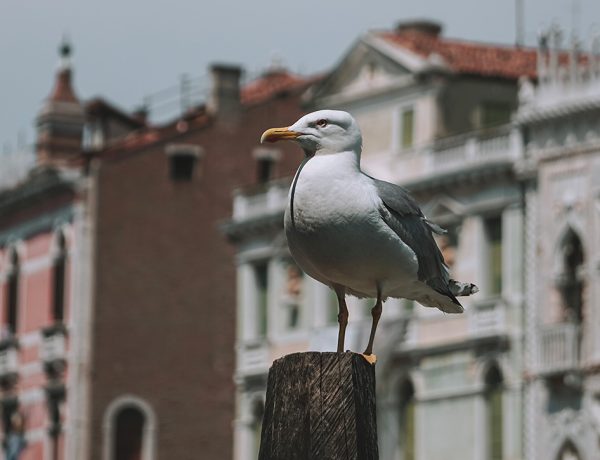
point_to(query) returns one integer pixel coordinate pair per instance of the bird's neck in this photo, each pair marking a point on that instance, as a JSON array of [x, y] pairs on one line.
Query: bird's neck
[[347, 161]]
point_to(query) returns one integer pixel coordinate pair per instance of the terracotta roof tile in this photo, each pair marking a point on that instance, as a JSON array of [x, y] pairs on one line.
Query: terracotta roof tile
[[483, 59], [270, 85]]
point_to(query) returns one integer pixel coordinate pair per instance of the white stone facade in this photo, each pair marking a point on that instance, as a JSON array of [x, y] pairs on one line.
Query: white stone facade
[[509, 194]]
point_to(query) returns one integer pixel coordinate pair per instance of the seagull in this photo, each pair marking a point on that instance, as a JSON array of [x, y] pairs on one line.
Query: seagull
[[359, 235]]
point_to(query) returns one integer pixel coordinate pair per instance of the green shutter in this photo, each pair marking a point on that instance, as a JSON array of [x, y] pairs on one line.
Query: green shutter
[[408, 122], [494, 114], [409, 431], [494, 235], [494, 409], [333, 308], [256, 429]]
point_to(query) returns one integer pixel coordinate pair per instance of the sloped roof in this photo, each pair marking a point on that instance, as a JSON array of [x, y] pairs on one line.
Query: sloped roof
[[99, 106], [487, 60], [269, 85]]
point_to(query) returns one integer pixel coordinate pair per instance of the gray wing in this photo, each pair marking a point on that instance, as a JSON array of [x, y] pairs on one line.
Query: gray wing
[[403, 215]]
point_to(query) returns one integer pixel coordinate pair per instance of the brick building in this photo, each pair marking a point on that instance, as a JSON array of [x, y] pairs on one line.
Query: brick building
[[118, 289]]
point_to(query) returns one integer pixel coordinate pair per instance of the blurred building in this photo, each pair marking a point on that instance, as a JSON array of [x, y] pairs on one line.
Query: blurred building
[[501, 146], [560, 121], [435, 115], [118, 289]]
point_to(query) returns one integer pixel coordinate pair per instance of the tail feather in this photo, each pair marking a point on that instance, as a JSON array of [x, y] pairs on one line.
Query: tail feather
[[462, 289]]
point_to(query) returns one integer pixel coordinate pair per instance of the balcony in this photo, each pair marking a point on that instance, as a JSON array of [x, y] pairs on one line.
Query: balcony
[[457, 153], [261, 200], [559, 348], [9, 362], [54, 349], [253, 358]]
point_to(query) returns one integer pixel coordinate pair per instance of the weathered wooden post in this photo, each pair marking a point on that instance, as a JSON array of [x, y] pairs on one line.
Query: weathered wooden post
[[320, 406]]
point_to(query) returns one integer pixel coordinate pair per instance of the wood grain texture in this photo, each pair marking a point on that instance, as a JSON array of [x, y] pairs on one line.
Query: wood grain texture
[[320, 406]]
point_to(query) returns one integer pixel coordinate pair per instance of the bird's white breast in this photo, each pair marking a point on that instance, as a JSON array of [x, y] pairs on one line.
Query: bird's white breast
[[336, 233]]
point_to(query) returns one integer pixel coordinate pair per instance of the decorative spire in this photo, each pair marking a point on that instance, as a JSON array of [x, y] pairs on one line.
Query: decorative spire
[[63, 91], [61, 119], [64, 50]]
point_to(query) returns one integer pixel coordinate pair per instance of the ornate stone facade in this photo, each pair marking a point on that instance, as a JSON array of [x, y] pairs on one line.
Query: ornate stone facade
[[560, 121]]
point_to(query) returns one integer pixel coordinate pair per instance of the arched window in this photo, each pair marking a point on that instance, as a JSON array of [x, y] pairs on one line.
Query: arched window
[[493, 402], [568, 452], [407, 421], [58, 282], [129, 430], [570, 282], [12, 292]]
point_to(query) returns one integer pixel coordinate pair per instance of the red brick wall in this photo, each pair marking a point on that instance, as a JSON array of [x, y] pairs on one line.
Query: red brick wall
[[164, 320]]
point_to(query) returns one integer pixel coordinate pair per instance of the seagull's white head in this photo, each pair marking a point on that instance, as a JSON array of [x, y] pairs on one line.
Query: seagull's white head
[[321, 133]]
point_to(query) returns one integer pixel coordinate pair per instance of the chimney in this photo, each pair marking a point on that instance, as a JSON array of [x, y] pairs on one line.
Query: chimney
[[420, 26], [224, 99], [60, 121]]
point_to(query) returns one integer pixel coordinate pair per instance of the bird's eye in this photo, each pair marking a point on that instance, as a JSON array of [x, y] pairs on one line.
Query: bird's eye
[[322, 123]]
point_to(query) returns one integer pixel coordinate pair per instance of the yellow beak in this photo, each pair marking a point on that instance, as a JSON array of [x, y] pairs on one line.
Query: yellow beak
[[278, 134]]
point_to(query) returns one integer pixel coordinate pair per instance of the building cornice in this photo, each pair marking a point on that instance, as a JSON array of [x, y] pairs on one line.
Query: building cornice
[[468, 176], [238, 230], [40, 185], [538, 114]]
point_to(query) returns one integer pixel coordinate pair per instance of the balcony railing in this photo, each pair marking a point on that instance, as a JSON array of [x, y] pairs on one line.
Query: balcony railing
[[259, 201], [488, 319], [253, 358], [9, 361], [559, 348], [457, 152]]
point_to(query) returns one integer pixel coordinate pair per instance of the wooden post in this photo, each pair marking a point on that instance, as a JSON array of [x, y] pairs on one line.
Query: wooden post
[[320, 406]]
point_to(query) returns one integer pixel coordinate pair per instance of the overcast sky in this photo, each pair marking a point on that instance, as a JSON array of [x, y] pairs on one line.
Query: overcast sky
[[126, 49]]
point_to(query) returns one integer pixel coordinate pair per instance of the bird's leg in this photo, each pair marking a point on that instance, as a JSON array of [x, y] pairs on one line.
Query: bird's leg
[[376, 314], [342, 318]]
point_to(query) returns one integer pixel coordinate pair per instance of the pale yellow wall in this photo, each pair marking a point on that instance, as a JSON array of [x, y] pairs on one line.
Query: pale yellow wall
[[376, 127]]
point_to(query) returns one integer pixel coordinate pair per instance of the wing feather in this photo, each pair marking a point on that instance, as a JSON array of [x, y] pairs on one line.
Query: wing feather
[[403, 215]]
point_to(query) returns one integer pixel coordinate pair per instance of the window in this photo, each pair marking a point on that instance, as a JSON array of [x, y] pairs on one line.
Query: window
[[261, 284], [12, 293], [182, 161], [129, 431], [570, 282], [407, 127], [407, 422], [568, 452], [182, 167], [265, 163], [493, 230], [58, 275], [493, 402], [264, 170], [494, 114]]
